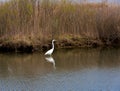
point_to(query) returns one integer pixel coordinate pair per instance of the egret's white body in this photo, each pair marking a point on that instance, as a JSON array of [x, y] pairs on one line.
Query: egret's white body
[[49, 52]]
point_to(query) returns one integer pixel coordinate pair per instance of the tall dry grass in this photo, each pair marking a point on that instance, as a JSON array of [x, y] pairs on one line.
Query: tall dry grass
[[37, 21]]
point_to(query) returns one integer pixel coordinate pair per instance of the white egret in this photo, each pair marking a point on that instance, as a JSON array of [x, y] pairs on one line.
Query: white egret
[[49, 52]]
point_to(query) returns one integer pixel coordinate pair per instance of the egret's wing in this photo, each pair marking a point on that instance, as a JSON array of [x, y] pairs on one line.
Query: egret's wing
[[46, 53], [49, 52]]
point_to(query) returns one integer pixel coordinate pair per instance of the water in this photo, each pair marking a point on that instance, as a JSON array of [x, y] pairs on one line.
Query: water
[[68, 70]]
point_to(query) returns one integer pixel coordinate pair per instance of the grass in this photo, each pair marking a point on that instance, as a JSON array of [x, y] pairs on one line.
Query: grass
[[32, 23]]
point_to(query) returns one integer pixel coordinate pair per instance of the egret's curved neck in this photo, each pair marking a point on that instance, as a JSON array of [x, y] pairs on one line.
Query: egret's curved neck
[[52, 45]]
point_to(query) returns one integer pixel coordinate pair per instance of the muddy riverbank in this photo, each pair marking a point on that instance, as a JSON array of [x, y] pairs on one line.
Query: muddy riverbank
[[23, 46]]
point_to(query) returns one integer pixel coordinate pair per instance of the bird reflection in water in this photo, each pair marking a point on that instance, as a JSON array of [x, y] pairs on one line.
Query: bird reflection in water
[[51, 60]]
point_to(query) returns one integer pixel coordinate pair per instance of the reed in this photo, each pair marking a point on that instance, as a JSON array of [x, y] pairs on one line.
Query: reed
[[35, 22]]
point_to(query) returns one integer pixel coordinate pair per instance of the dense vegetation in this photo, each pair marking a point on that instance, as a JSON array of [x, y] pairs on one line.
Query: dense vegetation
[[32, 24]]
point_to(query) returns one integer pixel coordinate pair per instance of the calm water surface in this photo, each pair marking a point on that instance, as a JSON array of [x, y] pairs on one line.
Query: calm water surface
[[66, 70]]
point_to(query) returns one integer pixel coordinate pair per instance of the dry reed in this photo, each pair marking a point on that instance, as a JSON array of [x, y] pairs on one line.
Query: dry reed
[[37, 21]]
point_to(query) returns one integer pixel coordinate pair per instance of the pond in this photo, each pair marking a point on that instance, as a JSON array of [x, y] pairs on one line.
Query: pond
[[67, 70]]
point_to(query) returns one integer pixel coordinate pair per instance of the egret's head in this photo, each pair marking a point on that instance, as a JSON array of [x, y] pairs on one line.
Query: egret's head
[[53, 40]]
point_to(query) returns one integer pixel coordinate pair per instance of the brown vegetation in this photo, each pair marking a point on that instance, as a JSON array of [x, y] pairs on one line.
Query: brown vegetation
[[32, 24]]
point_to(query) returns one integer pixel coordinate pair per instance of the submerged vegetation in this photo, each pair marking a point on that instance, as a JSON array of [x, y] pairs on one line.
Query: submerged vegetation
[[29, 25]]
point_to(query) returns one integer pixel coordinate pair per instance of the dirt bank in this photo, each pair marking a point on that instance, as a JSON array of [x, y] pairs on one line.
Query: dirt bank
[[22, 46]]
